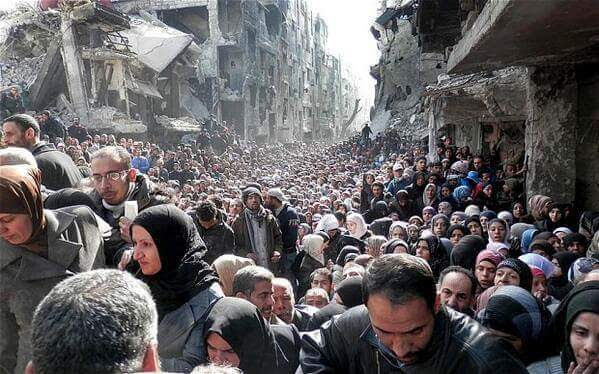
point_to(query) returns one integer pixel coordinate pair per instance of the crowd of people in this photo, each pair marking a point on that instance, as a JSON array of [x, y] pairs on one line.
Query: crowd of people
[[219, 256]]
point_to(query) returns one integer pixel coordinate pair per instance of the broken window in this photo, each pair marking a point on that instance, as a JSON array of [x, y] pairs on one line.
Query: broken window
[[192, 20], [273, 20], [229, 16]]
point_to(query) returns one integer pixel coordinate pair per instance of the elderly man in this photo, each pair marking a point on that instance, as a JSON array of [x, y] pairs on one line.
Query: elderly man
[[58, 169], [116, 182], [102, 321], [457, 287], [257, 233], [285, 308], [401, 329]]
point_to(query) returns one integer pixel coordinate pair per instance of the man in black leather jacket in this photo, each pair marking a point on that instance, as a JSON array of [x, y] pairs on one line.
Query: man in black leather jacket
[[402, 329]]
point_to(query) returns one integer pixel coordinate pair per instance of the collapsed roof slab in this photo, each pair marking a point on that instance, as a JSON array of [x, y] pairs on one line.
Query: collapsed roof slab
[[155, 46], [516, 32]]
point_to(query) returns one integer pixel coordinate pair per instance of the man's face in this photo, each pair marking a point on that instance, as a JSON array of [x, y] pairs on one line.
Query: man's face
[[112, 191], [283, 303], [377, 191], [405, 329], [576, 247], [321, 281], [421, 165], [253, 202], [13, 136], [262, 297], [478, 163], [456, 291]]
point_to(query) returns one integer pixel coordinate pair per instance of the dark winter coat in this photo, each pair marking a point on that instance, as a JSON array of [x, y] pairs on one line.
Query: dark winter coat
[[74, 246], [219, 239], [58, 169]]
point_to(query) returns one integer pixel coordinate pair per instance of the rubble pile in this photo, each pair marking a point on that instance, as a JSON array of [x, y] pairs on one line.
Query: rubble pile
[[21, 72]]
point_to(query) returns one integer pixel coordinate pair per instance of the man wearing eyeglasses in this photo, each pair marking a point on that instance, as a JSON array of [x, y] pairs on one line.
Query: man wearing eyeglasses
[[116, 182]]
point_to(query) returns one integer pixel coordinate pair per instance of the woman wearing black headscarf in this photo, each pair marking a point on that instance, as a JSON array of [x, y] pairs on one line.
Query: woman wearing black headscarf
[[575, 326], [237, 335], [465, 252], [559, 285], [347, 295], [168, 250], [431, 249], [38, 249]]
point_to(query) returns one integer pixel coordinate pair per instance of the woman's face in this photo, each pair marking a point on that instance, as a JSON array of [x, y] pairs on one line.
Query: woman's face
[[145, 251], [15, 228], [422, 250], [440, 227], [352, 227], [488, 190], [555, 215], [475, 228], [427, 215], [454, 220], [413, 232], [485, 273], [506, 277], [420, 181], [369, 179], [398, 233], [539, 287], [558, 269], [584, 337], [518, 210], [430, 193], [497, 232], [220, 352], [483, 222], [456, 235], [445, 191]]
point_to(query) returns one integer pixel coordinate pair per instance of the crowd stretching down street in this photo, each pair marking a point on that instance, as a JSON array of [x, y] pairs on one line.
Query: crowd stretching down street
[[183, 188], [217, 255]]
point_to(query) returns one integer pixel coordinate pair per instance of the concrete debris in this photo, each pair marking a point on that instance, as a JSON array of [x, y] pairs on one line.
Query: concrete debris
[[183, 124], [19, 72]]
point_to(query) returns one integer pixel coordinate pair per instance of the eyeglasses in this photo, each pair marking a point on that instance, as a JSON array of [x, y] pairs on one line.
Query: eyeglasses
[[112, 176]]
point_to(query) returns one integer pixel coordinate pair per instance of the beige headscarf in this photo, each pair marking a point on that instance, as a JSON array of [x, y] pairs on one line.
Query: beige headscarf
[[226, 267]]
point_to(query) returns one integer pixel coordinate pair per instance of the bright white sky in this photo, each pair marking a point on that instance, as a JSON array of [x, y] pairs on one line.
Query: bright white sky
[[349, 24]]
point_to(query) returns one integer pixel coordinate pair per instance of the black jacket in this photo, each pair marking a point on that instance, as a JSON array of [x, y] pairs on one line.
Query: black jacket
[[458, 345], [288, 223], [58, 169], [219, 240], [54, 128]]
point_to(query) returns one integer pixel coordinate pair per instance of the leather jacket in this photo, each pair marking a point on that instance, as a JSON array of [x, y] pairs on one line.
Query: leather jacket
[[458, 345]]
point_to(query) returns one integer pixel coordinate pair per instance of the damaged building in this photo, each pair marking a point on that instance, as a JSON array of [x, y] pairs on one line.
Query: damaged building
[[165, 67], [513, 77]]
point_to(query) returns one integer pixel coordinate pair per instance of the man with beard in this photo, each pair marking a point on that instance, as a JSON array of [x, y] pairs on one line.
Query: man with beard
[[401, 328], [257, 233], [116, 182], [288, 224], [58, 169], [284, 305]]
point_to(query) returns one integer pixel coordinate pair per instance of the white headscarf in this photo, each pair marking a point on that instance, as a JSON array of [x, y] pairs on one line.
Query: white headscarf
[[360, 225], [312, 245]]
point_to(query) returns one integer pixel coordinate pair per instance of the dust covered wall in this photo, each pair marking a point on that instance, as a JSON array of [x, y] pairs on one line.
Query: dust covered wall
[[587, 147]]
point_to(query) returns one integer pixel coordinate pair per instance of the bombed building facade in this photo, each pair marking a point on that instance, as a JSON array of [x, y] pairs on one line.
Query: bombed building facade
[[502, 77], [166, 67]]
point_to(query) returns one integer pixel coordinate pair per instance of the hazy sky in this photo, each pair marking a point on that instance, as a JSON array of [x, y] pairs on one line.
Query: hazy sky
[[348, 23]]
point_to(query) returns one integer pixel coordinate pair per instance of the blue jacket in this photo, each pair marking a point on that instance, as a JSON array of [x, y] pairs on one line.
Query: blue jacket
[[141, 163], [181, 332]]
